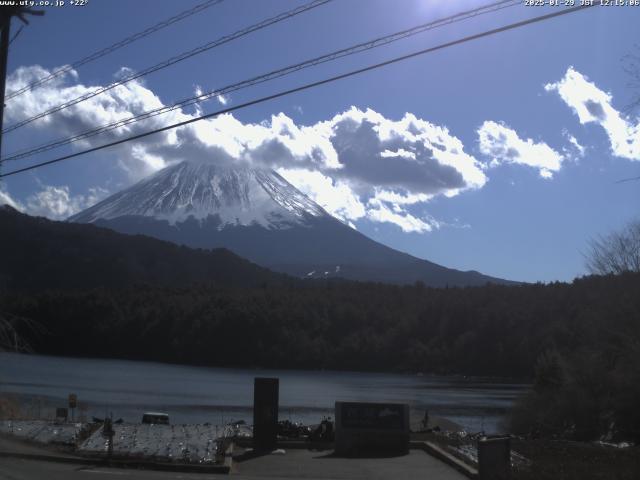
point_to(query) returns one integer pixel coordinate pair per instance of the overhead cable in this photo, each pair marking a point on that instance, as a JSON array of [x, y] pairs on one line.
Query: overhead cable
[[361, 47], [512, 26], [171, 61], [116, 46]]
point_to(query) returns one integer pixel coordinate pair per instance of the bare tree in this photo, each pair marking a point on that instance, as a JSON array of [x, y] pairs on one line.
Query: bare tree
[[617, 252], [10, 337], [631, 65]]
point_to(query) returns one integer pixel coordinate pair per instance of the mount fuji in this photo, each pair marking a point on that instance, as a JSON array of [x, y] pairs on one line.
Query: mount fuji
[[260, 216]]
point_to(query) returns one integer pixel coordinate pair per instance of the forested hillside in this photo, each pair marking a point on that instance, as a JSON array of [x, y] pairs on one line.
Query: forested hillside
[[492, 330], [85, 291], [36, 253]]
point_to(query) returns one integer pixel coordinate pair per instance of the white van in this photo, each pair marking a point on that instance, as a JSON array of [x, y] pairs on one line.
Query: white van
[[155, 418]]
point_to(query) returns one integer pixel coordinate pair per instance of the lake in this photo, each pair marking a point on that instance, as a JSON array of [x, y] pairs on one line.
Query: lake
[[219, 395]]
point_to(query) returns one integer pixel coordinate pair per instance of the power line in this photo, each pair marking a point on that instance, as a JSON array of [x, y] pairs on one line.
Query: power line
[[308, 86], [173, 60], [263, 78], [378, 42], [625, 180], [116, 46], [6, 15], [15, 35]]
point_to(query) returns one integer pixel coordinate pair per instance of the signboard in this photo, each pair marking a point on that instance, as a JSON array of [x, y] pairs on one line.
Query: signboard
[[265, 413], [494, 458], [62, 412], [363, 428], [372, 415], [73, 400]]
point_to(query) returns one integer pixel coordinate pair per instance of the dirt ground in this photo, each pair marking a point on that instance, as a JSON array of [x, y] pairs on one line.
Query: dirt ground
[[555, 459], [562, 460]]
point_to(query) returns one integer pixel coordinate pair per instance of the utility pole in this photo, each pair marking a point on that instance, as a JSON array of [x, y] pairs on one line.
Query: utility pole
[[4, 55], [6, 13]]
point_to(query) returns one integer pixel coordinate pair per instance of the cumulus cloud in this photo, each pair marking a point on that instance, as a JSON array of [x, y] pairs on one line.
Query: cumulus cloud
[[575, 150], [593, 105], [380, 211], [503, 145], [335, 197], [58, 203], [339, 199], [358, 164], [54, 202], [7, 199], [410, 154], [375, 168], [117, 104]]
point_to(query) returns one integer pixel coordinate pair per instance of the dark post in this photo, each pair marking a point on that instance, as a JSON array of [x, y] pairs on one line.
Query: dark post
[[6, 13], [62, 414], [108, 433], [265, 413], [494, 458], [4, 55], [73, 401]]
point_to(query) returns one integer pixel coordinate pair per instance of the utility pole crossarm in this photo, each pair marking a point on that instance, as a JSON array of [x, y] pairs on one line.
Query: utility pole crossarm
[[15, 11]]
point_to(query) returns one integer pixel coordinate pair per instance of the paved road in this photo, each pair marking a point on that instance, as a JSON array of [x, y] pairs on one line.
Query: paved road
[[301, 464], [305, 464], [293, 464], [14, 445], [13, 469]]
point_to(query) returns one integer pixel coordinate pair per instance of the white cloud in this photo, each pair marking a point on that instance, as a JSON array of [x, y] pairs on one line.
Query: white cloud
[[199, 91], [400, 199], [593, 105], [115, 105], [339, 199], [410, 154], [378, 167], [7, 199], [357, 165], [401, 152], [335, 197], [57, 203], [576, 150], [380, 212], [505, 146]]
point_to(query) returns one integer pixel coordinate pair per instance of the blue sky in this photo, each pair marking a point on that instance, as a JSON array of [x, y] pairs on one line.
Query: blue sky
[[511, 105]]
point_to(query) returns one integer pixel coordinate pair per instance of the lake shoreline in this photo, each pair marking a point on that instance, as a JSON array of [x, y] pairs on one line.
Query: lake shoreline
[[219, 395], [539, 459], [483, 378]]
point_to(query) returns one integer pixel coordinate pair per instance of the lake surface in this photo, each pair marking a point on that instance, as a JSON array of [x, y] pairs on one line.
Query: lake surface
[[219, 395]]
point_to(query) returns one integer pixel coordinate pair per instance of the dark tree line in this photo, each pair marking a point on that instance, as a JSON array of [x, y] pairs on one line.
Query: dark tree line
[[578, 342], [84, 291], [491, 330]]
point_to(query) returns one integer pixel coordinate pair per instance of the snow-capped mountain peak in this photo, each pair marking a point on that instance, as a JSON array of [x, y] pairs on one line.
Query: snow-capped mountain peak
[[260, 216], [237, 196]]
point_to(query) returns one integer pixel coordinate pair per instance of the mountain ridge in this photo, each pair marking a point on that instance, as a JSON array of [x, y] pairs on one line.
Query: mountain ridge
[[37, 253], [240, 196], [260, 216]]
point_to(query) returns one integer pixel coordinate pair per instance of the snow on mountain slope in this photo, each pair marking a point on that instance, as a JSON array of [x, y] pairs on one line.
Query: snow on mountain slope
[[260, 216], [238, 196]]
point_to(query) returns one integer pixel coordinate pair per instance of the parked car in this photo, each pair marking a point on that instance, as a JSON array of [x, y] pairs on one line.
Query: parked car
[[155, 418]]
